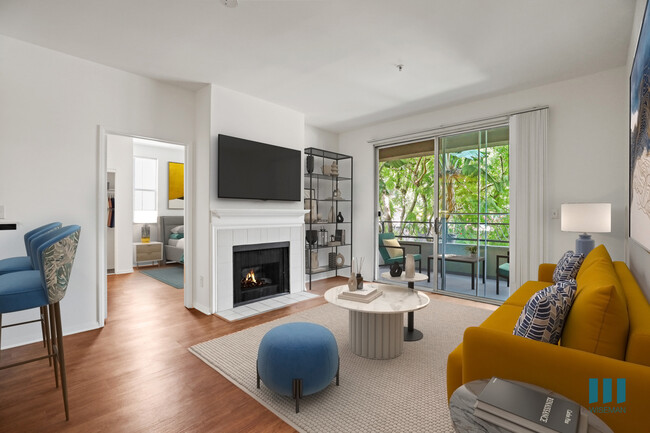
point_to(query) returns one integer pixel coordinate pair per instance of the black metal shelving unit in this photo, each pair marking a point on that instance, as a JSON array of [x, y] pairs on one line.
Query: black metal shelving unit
[[321, 187]]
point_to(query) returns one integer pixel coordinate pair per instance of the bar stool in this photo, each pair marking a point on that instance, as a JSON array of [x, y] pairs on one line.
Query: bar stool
[[26, 263], [55, 252]]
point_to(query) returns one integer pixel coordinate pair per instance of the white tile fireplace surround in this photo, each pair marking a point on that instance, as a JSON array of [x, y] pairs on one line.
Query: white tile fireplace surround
[[231, 227]]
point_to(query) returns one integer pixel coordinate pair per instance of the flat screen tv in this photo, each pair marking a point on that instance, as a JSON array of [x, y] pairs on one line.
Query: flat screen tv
[[257, 171]]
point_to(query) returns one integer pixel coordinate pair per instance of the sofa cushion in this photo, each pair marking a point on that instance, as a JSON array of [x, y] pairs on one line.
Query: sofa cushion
[[595, 255], [598, 322], [638, 309], [523, 294], [543, 315], [568, 266]]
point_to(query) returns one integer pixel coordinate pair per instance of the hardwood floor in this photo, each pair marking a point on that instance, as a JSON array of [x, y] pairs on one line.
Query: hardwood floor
[[136, 373]]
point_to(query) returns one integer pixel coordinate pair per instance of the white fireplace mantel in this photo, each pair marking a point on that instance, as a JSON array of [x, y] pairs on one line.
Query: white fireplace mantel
[[231, 227], [239, 218]]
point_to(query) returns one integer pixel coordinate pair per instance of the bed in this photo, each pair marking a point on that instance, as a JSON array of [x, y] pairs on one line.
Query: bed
[[173, 249]]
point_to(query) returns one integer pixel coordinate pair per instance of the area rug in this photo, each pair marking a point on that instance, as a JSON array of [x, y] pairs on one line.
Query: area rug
[[405, 394], [171, 275]]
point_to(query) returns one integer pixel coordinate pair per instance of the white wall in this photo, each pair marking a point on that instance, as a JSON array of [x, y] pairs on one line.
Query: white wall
[[52, 105], [586, 152], [164, 155], [321, 139], [119, 157], [638, 259]]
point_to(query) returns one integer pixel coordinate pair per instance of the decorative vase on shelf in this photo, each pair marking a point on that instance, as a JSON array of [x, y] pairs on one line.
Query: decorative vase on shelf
[[311, 236], [310, 164], [334, 169], [330, 217], [409, 266], [339, 218], [359, 282], [352, 281], [395, 270], [314, 260]]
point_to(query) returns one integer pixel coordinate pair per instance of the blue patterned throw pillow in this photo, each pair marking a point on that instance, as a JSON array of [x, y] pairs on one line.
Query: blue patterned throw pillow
[[542, 318], [568, 266]]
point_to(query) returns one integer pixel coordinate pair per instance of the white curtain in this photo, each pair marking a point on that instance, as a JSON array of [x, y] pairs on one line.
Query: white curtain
[[528, 133]]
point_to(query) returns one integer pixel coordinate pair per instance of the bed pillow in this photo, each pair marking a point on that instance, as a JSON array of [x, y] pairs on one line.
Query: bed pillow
[[568, 266], [543, 316], [178, 229], [176, 236]]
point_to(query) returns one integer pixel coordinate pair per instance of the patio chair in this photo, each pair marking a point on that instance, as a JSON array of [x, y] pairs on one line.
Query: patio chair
[[503, 270], [392, 251]]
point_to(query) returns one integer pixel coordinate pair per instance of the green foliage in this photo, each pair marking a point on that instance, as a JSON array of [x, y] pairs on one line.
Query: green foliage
[[474, 190]]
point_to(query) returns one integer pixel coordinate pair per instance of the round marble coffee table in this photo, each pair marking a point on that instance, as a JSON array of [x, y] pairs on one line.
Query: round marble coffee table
[[461, 408], [376, 327], [410, 333]]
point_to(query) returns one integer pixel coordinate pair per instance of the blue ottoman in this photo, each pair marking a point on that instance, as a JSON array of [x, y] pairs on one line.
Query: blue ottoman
[[297, 359]]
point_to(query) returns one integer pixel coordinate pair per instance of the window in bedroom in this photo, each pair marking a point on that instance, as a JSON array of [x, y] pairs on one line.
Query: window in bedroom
[[145, 190]]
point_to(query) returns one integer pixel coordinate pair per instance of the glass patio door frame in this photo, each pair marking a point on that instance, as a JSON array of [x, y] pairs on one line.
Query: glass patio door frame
[[438, 225]]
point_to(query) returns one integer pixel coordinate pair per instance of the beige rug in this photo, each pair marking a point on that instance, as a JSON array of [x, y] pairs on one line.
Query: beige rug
[[405, 394]]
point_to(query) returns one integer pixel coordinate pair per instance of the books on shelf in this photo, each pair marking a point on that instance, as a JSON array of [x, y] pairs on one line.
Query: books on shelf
[[506, 403], [365, 295]]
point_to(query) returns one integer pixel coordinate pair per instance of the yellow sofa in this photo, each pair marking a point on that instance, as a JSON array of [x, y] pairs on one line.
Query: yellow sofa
[[606, 335]]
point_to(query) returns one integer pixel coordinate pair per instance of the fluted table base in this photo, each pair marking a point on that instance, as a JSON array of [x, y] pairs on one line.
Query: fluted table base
[[376, 336]]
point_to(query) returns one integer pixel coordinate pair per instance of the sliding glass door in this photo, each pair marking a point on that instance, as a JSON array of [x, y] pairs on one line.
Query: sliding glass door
[[447, 201]]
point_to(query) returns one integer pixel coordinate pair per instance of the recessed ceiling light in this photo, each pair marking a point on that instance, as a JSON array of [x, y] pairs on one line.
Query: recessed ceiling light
[[399, 67], [230, 3]]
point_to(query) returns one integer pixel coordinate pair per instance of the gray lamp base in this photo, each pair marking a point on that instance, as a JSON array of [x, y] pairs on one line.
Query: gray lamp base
[[584, 244]]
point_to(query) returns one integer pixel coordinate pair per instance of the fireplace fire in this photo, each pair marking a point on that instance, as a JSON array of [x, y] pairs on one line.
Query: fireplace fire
[[250, 281]]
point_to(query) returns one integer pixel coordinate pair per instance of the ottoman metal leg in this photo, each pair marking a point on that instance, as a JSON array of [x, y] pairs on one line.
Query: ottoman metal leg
[[257, 368], [338, 369], [296, 386]]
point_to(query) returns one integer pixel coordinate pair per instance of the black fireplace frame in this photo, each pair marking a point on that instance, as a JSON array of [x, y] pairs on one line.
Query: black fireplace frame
[[282, 286]]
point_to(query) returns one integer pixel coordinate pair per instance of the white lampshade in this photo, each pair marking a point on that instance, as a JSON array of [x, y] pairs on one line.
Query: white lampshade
[[586, 217]]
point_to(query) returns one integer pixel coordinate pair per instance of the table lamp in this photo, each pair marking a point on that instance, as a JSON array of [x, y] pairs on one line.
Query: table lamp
[[145, 218], [583, 218]]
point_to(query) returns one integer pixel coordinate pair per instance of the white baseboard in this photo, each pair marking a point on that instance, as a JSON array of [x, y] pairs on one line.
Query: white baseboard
[[8, 343]]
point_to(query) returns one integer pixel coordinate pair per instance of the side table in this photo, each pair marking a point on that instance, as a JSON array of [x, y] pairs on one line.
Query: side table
[[461, 408], [410, 333], [148, 252]]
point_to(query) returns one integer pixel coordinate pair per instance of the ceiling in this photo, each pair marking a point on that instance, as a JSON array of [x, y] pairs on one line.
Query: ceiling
[[336, 60]]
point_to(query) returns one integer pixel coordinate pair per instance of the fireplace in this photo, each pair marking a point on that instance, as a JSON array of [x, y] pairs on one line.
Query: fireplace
[[260, 271]]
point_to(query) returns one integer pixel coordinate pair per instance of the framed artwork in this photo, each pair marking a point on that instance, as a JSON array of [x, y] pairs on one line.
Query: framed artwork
[[639, 139], [176, 186]]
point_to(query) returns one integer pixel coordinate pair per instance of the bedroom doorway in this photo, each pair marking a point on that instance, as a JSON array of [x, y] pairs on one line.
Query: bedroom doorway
[[143, 189]]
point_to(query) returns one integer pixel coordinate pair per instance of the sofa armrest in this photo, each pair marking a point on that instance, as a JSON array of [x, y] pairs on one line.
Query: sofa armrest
[[545, 272], [487, 353]]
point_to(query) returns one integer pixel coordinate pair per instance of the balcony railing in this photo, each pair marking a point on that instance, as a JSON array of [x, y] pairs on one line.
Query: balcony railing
[[470, 228]]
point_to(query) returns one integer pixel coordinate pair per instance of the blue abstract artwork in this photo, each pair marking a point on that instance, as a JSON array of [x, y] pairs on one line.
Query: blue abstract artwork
[[640, 138]]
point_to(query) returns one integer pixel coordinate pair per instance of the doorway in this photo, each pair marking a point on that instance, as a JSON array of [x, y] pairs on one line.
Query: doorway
[[141, 192], [446, 200]]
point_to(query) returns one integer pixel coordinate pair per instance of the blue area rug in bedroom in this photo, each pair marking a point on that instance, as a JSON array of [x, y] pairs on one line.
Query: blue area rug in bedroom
[[172, 275]]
